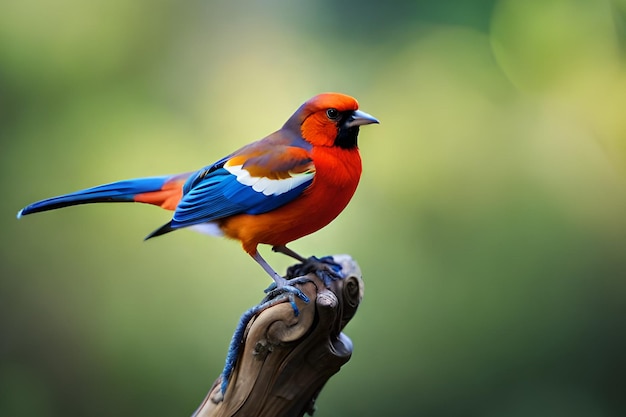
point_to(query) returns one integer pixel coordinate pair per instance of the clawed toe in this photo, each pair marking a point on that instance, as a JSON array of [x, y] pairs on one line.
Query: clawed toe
[[288, 287], [288, 290], [324, 268]]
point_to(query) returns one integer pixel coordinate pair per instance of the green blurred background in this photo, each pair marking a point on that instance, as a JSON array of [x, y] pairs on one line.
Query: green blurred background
[[490, 223]]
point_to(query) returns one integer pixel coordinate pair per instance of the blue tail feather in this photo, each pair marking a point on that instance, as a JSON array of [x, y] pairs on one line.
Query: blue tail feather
[[121, 191]]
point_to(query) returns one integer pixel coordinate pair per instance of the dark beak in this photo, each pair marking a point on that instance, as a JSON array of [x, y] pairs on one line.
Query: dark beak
[[360, 118]]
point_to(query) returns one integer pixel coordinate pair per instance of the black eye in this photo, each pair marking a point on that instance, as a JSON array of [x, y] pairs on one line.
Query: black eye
[[333, 114]]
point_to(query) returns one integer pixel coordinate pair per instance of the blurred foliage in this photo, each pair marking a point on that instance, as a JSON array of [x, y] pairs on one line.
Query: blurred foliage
[[490, 222]]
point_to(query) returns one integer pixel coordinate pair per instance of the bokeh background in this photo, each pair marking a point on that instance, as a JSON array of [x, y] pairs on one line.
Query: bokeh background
[[490, 223]]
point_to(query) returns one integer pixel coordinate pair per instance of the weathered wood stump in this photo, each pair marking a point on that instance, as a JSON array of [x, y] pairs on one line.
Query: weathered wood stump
[[284, 360]]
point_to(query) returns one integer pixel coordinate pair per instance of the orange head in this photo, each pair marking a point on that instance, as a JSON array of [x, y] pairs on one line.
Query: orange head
[[330, 119]]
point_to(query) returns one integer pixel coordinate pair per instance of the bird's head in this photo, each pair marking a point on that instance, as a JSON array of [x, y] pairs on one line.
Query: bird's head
[[330, 119]]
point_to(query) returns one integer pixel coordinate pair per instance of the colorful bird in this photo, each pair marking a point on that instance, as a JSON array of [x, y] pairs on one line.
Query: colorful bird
[[273, 191]]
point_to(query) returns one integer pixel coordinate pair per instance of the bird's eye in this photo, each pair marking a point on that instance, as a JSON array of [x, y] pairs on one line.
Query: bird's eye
[[333, 114]]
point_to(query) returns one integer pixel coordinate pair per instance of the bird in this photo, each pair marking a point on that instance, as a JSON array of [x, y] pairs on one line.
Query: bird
[[285, 186]]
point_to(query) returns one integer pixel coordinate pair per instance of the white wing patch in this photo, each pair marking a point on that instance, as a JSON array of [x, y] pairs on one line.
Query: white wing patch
[[209, 228], [266, 185]]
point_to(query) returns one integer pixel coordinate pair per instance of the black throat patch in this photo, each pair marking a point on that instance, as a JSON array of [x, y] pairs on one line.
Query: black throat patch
[[347, 137]]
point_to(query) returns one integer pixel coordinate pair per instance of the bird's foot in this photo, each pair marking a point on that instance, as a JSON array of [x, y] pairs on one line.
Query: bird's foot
[[325, 268], [275, 295], [288, 290], [288, 287]]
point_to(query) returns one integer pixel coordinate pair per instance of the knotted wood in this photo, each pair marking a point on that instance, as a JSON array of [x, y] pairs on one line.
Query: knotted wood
[[285, 360]]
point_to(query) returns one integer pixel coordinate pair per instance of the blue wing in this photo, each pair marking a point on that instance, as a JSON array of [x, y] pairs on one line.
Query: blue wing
[[244, 183]]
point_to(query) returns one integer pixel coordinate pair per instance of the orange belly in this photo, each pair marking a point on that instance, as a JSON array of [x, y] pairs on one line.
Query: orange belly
[[331, 190]]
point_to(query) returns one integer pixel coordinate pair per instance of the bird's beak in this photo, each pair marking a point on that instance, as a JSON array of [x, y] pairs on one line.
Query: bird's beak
[[360, 118]]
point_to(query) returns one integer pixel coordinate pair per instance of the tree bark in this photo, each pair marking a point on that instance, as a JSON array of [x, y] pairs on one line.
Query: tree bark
[[284, 360]]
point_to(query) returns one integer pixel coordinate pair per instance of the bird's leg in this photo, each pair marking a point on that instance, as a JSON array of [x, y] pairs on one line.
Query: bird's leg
[[286, 251], [281, 285], [280, 281], [325, 268]]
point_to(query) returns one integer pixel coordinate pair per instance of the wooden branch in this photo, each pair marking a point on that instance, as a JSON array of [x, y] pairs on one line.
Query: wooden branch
[[285, 360]]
